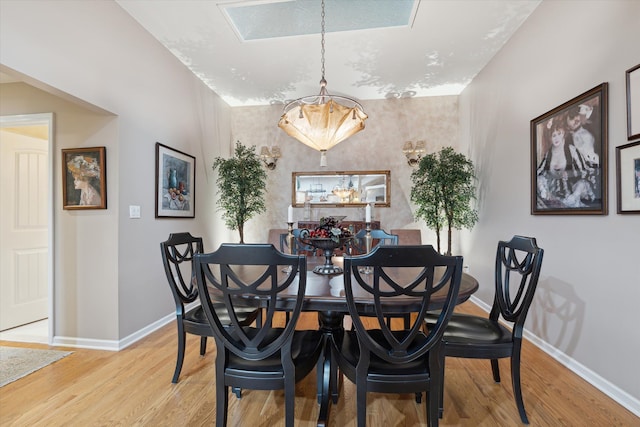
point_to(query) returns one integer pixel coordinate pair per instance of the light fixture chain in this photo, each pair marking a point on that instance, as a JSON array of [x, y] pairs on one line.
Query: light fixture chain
[[322, 40]]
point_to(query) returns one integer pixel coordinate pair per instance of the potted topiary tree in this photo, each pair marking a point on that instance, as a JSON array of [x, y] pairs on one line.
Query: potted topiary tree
[[443, 188], [241, 186]]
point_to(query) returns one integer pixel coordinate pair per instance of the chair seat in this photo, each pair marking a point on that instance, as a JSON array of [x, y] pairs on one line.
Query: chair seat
[[464, 330], [349, 351], [305, 349], [196, 317]]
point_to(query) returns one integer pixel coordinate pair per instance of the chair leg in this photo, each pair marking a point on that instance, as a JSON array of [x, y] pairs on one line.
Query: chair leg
[[222, 400], [433, 410], [237, 391], [222, 396], [203, 345], [361, 388], [289, 407], [361, 402], [495, 368], [515, 380], [407, 321], [181, 344], [441, 394], [289, 395]]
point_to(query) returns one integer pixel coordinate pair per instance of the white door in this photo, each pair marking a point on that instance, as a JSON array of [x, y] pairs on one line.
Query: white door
[[24, 251]]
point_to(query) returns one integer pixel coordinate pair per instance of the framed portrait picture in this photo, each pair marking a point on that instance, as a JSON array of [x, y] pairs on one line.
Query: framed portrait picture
[[84, 178], [175, 183], [633, 102], [569, 157], [628, 178]]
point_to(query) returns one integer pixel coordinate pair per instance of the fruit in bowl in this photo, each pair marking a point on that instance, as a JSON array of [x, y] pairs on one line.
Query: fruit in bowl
[[327, 236], [329, 228]]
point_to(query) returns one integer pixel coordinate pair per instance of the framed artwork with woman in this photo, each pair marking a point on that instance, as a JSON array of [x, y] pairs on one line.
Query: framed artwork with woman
[[569, 157], [84, 179]]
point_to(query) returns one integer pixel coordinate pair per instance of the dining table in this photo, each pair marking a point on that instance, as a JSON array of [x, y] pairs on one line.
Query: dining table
[[325, 295]]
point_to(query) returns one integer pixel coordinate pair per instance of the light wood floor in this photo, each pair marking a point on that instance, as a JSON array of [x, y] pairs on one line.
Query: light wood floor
[[133, 388]]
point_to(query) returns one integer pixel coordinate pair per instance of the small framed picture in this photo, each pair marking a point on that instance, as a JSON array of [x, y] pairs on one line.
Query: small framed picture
[[628, 178], [633, 102], [84, 178], [175, 183], [569, 157]]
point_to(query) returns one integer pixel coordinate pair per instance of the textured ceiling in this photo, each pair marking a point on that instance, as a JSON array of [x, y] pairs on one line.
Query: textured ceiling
[[443, 46]]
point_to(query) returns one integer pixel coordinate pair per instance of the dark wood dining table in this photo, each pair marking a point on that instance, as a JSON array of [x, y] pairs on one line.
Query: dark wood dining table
[[325, 295]]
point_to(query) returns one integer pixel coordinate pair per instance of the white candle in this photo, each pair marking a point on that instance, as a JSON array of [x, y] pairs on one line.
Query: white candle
[[290, 214], [367, 216]]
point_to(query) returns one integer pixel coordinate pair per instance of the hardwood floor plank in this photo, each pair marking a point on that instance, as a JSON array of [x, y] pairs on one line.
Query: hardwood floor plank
[[133, 388]]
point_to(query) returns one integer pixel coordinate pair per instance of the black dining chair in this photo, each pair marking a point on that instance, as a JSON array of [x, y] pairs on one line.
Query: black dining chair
[[298, 246], [358, 244], [177, 257], [378, 359], [261, 357], [382, 238], [517, 269]]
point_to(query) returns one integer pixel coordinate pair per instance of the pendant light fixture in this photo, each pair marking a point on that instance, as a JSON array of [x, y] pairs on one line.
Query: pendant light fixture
[[322, 121]]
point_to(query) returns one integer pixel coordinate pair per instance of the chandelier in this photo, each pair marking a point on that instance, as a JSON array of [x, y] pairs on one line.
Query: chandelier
[[322, 121]]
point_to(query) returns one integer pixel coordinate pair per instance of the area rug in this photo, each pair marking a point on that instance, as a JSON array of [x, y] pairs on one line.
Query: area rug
[[17, 362]]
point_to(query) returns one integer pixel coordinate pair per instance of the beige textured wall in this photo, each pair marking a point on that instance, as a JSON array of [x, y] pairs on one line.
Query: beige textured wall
[[377, 147]]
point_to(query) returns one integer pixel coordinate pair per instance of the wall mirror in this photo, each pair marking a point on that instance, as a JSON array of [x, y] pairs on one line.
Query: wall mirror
[[341, 188]]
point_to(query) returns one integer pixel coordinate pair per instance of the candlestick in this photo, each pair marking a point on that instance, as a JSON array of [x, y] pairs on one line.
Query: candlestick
[[367, 215], [290, 238], [290, 214], [368, 240], [290, 243]]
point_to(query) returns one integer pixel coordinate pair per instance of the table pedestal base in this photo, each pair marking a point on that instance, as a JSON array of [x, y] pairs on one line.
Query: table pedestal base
[[330, 324]]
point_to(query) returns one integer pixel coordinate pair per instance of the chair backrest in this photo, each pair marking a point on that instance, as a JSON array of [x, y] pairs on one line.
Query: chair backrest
[[177, 257], [298, 246], [399, 272], [240, 273], [518, 264], [380, 236], [408, 236]]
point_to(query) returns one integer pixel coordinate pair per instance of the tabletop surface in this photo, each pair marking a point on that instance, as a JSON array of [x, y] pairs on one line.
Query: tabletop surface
[[326, 293]]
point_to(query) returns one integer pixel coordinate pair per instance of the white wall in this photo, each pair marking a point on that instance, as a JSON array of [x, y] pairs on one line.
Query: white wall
[[104, 58], [78, 274], [586, 304]]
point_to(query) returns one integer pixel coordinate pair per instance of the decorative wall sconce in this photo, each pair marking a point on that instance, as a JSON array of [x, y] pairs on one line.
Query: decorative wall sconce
[[414, 152], [270, 156]]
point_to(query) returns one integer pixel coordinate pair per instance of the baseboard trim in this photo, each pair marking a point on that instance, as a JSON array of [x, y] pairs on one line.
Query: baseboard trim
[[113, 345], [605, 386], [136, 336]]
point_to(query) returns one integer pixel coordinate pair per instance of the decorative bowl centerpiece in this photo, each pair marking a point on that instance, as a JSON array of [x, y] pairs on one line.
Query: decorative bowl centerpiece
[[327, 236]]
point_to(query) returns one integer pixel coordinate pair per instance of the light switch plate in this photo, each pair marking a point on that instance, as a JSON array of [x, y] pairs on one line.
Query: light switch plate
[[134, 211]]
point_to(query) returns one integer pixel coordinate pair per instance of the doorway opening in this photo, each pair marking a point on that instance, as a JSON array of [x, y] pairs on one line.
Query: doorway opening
[[26, 228]]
